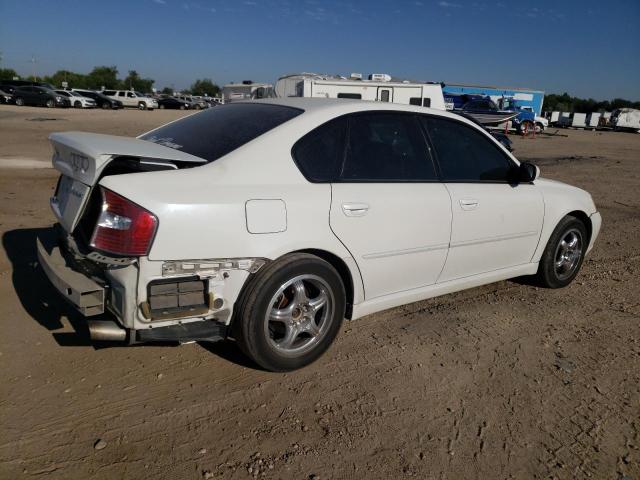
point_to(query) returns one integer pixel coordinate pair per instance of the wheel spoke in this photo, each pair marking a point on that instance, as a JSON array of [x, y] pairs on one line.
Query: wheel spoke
[[300, 296], [574, 241], [563, 246], [290, 336], [559, 264], [281, 314], [318, 302]]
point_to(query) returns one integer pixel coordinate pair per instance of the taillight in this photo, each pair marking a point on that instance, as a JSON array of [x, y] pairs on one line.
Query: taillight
[[123, 227]]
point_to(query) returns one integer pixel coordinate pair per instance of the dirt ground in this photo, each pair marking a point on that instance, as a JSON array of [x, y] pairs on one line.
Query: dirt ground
[[505, 381]]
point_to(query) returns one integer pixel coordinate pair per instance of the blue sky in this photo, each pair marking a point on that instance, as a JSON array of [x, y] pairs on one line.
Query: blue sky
[[587, 48]]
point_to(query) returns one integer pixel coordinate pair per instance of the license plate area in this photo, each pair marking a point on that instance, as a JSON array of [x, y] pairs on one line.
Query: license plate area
[[69, 200]]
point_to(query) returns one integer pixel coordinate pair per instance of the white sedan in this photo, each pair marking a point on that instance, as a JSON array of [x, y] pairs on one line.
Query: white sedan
[[271, 221], [77, 100]]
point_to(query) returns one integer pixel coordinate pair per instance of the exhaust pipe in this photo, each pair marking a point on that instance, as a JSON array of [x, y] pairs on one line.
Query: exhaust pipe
[[106, 331]]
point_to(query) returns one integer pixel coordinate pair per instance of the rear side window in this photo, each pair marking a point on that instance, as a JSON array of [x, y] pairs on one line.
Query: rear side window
[[415, 101], [319, 154], [464, 154], [215, 132], [109, 92], [386, 147], [426, 102]]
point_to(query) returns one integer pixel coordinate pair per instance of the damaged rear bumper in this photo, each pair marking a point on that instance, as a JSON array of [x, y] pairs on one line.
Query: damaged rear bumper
[[108, 297]]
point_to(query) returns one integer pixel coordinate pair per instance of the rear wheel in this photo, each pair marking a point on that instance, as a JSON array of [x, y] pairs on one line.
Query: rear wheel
[[142, 106], [564, 254], [50, 103], [77, 104], [539, 127], [290, 312], [19, 101], [161, 106], [105, 105]]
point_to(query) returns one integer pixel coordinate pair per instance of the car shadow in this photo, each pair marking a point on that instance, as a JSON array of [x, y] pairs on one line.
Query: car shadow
[[36, 294], [46, 306]]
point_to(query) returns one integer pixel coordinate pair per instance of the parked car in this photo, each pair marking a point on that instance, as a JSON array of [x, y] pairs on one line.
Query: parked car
[[10, 85], [77, 100], [5, 97], [193, 104], [271, 221], [39, 96], [101, 100], [132, 99], [170, 102]]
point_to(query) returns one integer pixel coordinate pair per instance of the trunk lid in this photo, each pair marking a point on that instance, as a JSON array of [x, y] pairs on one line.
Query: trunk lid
[[82, 157]]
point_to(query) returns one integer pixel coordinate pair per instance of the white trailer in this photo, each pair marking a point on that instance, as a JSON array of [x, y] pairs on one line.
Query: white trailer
[[626, 119], [593, 119], [380, 88], [246, 90], [564, 119], [579, 120], [555, 116]]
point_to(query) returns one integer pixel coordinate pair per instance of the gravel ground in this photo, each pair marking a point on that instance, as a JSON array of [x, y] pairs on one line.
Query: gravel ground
[[503, 381]]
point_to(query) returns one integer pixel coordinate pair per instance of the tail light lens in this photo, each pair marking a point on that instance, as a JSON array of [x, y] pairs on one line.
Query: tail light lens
[[123, 227]]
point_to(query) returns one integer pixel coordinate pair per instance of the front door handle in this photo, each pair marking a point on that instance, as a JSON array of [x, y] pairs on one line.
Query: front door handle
[[469, 203], [355, 209]]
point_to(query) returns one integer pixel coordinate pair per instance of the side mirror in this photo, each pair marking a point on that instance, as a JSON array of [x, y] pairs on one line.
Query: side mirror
[[528, 172]]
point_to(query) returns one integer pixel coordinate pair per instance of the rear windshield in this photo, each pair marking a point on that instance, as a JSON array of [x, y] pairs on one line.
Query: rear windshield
[[214, 133]]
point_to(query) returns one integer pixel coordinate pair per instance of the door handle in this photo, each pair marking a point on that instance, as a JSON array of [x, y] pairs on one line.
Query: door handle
[[355, 209], [468, 203]]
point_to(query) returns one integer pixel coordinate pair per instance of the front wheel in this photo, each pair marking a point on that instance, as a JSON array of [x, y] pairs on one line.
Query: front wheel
[[526, 127], [564, 254], [50, 103], [161, 107], [539, 128], [290, 312], [20, 102]]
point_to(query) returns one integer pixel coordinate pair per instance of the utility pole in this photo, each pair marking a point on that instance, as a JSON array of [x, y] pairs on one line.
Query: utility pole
[[33, 67]]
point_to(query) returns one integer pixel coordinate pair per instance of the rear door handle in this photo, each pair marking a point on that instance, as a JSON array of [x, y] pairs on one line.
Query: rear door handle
[[468, 203], [355, 209]]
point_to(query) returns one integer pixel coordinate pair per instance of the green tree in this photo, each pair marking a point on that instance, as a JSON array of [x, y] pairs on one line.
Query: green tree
[[73, 79], [7, 73], [134, 82], [205, 87], [167, 91], [103, 76]]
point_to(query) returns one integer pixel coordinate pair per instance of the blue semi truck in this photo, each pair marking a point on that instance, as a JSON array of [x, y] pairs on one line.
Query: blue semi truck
[[528, 103]]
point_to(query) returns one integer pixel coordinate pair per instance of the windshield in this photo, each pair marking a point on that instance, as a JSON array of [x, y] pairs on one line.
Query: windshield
[[216, 132]]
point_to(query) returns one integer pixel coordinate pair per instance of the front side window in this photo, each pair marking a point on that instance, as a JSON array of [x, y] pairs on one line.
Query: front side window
[[414, 101], [386, 147], [426, 102], [465, 154], [215, 132]]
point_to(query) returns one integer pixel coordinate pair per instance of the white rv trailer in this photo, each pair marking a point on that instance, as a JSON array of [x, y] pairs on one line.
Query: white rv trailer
[[247, 90], [380, 87], [593, 119], [578, 120], [626, 119]]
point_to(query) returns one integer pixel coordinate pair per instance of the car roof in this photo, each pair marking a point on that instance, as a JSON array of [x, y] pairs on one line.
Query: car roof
[[341, 106]]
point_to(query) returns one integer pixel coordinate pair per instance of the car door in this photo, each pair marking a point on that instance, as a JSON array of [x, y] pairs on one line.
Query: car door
[[388, 207], [496, 222]]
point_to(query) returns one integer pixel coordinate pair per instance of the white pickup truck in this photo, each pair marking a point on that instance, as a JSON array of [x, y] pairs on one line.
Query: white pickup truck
[[130, 98]]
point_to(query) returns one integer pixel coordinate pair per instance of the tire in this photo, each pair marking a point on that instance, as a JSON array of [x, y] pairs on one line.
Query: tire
[[308, 295], [161, 107], [50, 103], [142, 106], [77, 104], [197, 107], [105, 105], [539, 128], [182, 107], [525, 127], [20, 102], [561, 260]]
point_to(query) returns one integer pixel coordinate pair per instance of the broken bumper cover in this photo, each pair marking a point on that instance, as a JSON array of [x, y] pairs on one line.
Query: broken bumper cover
[[82, 292]]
